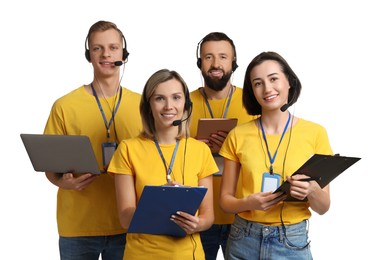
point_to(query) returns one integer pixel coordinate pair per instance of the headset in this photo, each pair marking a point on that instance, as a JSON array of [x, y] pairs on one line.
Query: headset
[[234, 65], [125, 52]]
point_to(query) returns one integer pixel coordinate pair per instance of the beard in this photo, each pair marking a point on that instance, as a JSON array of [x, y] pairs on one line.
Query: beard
[[217, 84]]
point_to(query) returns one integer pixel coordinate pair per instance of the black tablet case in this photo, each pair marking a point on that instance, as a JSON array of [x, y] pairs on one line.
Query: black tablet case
[[324, 168]]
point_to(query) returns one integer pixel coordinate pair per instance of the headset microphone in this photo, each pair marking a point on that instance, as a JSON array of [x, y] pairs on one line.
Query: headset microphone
[[118, 63], [178, 122], [189, 107], [284, 107]]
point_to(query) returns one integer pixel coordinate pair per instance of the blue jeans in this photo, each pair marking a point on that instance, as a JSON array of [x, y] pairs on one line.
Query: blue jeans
[[91, 247], [213, 238], [249, 240]]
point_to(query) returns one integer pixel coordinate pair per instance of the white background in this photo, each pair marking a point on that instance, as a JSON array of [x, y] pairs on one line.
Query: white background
[[329, 44]]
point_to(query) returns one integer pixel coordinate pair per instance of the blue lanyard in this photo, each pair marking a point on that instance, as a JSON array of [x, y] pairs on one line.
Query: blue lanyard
[[227, 105], [169, 170], [108, 125], [280, 140]]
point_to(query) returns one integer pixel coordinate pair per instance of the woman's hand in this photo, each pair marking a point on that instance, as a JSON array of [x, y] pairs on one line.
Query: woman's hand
[[319, 198], [190, 224], [174, 183], [301, 188], [265, 200]]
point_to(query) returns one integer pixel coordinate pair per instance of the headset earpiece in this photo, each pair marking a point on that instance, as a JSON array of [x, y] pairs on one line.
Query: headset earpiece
[[125, 52], [234, 65], [188, 102], [87, 52], [87, 55], [293, 82], [199, 63]]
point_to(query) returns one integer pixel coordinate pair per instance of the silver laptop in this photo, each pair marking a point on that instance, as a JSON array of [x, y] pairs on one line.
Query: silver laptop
[[60, 153]]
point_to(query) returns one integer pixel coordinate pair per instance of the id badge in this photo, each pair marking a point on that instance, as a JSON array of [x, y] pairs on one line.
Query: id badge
[[270, 182], [108, 150], [219, 161]]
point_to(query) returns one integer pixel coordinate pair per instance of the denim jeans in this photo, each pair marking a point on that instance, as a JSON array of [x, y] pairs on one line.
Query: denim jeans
[[249, 240], [213, 238], [91, 247]]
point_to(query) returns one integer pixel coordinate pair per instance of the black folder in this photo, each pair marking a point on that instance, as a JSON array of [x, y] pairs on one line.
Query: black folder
[[158, 203], [322, 168]]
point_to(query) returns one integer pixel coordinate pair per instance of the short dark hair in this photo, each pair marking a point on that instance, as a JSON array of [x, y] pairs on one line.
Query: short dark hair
[[249, 100]]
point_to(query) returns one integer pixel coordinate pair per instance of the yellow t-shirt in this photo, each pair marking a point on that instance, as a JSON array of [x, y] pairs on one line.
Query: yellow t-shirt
[[245, 145], [139, 157], [235, 110], [93, 211]]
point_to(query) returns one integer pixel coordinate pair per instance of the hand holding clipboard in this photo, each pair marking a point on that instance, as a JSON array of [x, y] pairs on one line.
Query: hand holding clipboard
[[321, 168], [158, 203]]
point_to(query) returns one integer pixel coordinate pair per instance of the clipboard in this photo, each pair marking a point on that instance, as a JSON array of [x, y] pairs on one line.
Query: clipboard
[[158, 203], [322, 168], [60, 153], [209, 126]]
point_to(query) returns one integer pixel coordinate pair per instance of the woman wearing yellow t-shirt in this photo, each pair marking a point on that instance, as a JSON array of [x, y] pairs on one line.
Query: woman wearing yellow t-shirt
[[164, 155], [265, 152]]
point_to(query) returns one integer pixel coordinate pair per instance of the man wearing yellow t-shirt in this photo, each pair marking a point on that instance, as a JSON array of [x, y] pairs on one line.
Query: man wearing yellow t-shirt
[[218, 98], [87, 216]]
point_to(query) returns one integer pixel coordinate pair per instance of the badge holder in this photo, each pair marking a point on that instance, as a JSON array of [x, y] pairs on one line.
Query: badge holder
[[108, 150], [219, 161], [270, 182]]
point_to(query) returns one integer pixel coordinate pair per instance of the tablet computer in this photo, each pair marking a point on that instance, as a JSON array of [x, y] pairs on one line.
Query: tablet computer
[[60, 153], [209, 126]]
